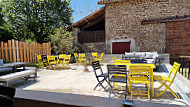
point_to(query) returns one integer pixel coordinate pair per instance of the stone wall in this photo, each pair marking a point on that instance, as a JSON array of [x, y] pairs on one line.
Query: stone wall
[[123, 21]]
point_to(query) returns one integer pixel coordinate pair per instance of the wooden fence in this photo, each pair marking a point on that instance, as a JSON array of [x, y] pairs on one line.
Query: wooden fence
[[17, 51]]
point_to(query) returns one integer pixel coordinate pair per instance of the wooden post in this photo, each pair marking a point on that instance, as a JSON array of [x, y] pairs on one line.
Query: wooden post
[[10, 50], [24, 49], [6, 52], [21, 51], [30, 51], [14, 53], [17, 52], [2, 51], [27, 52], [49, 48]]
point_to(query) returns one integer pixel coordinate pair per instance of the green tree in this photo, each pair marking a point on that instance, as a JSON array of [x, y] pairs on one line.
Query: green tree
[[62, 41], [4, 31], [36, 19]]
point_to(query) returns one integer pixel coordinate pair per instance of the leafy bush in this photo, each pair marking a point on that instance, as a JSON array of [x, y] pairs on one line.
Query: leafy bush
[[62, 41]]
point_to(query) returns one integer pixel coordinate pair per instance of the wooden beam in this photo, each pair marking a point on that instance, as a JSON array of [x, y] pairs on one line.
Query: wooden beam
[[94, 22], [165, 20]]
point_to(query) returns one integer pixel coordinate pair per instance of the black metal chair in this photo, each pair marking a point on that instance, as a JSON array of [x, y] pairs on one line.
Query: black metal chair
[[100, 76], [138, 61], [6, 96], [117, 74]]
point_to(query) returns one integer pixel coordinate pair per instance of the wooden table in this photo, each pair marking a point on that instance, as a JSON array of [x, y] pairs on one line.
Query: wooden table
[[140, 64]]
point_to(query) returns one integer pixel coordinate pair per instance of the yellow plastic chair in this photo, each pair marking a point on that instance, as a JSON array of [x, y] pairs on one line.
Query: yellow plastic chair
[[139, 75], [40, 61], [67, 60], [100, 58], [76, 57], [52, 61], [114, 59], [82, 58], [61, 60], [94, 55], [163, 80]]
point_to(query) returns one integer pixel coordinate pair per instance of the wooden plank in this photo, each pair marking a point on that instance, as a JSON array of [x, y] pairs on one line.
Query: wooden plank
[[14, 51], [27, 52], [6, 52], [17, 51], [30, 52], [24, 50], [21, 51], [10, 50], [2, 51]]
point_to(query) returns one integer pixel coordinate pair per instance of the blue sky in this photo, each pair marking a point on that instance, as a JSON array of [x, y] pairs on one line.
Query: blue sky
[[83, 8]]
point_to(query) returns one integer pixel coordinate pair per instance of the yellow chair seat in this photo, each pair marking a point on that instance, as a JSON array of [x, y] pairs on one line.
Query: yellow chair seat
[[158, 77], [139, 80]]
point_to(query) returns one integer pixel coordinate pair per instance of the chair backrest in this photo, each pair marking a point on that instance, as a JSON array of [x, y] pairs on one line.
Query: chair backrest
[[82, 56], [141, 70], [97, 68], [76, 55], [102, 55], [62, 57], [94, 54], [174, 71], [117, 69], [39, 57], [67, 58], [7, 95], [44, 58], [138, 61], [51, 59]]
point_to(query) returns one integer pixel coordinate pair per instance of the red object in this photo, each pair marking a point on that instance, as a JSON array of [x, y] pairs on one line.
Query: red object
[[120, 47]]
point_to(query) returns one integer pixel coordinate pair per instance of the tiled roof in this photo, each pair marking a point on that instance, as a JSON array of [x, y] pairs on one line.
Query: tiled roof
[[107, 1]]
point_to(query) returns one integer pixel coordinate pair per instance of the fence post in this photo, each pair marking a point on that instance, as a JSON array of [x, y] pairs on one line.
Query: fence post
[[2, 51], [24, 49], [6, 52], [10, 50], [17, 51], [21, 51], [27, 52]]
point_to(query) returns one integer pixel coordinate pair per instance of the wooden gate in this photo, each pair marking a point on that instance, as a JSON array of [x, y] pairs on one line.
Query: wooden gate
[[120, 47]]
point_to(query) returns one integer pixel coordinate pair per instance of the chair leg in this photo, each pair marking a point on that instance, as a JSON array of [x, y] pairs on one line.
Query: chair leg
[[100, 83], [162, 84]]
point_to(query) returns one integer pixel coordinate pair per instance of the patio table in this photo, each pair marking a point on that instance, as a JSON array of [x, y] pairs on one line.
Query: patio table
[[14, 64], [140, 64]]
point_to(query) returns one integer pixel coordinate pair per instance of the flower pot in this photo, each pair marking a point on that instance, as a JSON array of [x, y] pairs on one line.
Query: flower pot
[[85, 70]]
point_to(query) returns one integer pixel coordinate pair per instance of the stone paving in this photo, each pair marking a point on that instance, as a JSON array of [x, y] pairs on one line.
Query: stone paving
[[76, 81]]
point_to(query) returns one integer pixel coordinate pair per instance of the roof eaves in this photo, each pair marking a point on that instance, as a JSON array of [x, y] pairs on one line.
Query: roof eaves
[[101, 2]]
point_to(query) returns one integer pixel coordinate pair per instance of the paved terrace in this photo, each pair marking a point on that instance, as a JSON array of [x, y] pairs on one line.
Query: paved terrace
[[76, 81]]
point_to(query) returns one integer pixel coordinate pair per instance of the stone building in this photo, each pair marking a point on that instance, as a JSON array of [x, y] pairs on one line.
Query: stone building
[[140, 25]]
